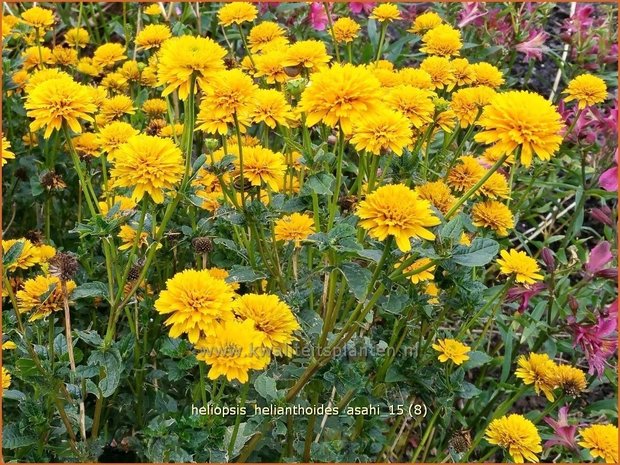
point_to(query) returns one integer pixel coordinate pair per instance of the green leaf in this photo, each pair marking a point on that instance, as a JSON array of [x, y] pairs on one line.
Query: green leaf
[[468, 391], [242, 437], [244, 274], [266, 387], [89, 290], [321, 184], [479, 253], [358, 279], [12, 438], [111, 362], [26, 366], [12, 254], [476, 359], [90, 337], [452, 229]]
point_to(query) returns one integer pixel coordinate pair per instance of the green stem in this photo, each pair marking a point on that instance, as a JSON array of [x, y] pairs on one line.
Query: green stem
[[331, 30], [233, 438], [381, 40]]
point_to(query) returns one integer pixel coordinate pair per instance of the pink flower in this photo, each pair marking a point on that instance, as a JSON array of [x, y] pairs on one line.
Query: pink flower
[[600, 256], [609, 178], [564, 432], [524, 294], [534, 45], [598, 341], [358, 7], [318, 16], [471, 13], [602, 215]]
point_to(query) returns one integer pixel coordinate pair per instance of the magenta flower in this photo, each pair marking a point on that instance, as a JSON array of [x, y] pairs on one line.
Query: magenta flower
[[564, 433], [471, 14], [598, 341], [317, 16], [602, 215], [600, 256], [533, 47], [609, 178], [359, 7], [524, 294]]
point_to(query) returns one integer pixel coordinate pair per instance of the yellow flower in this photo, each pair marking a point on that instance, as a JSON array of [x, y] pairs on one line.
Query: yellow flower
[[425, 22], [127, 235], [8, 23], [87, 144], [42, 75], [493, 215], [77, 37], [467, 172], [113, 135], [42, 296], [414, 103], [345, 30], [462, 72], [30, 254], [270, 66], [452, 350], [495, 187], [107, 55], [153, 36], [38, 17], [148, 164], [524, 120], [518, 435], [236, 13], [438, 194], [261, 165], [309, 54], [6, 378], [8, 345], [269, 106], [485, 74], [180, 57], [294, 228], [6, 151], [415, 77], [516, 263], [539, 370], [64, 56], [125, 205], [420, 276], [432, 291], [34, 57], [86, 66], [385, 12], [468, 102], [155, 107], [339, 95], [152, 10], [381, 131], [116, 107], [442, 40], [570, 379], [398, 211], [228, 92], [233, 350], [601, 441], [440, 71], [198, 303], [491, 155], [587, 90], [266, 35], [56, 102], [272, 318]]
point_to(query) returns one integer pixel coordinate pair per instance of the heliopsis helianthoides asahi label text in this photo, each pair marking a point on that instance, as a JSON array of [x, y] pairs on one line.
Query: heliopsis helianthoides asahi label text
[[309, 232]]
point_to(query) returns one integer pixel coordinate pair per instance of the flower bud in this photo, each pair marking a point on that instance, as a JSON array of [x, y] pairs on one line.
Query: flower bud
[[602, 215], [549, 259], [607, 273], [573, 304]]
